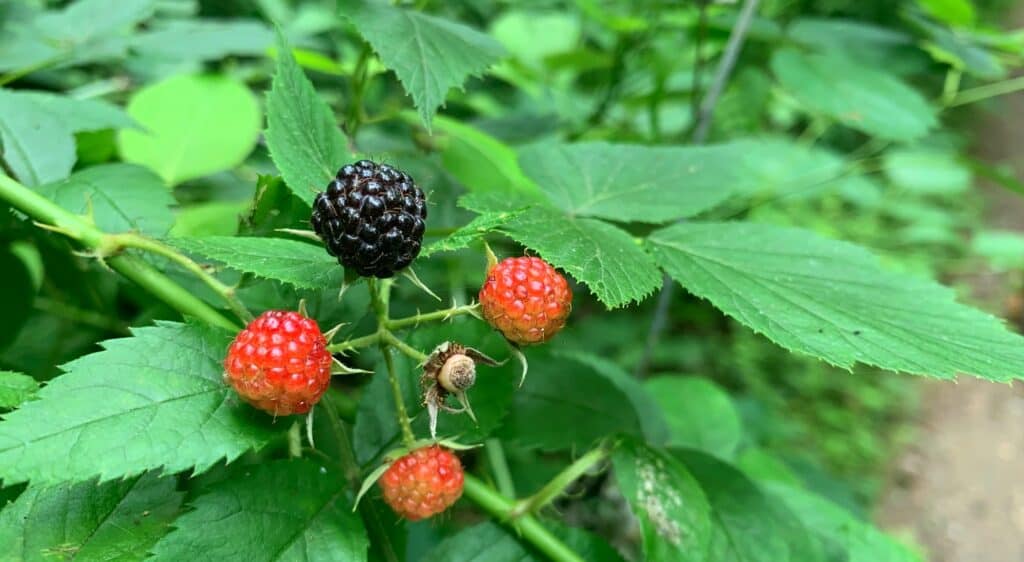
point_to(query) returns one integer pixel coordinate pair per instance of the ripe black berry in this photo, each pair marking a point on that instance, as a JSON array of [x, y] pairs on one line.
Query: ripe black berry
[[371, 218]]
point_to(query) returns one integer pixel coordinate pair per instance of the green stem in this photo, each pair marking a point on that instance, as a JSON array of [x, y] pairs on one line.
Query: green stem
[[529, 527], [987, 91], [132, 267], [396, 389], [432, 316], [499, 467], [380, 294], [226, 292], [557, 486], [405, 348], [357, 343], [359, 81], [80, 315]]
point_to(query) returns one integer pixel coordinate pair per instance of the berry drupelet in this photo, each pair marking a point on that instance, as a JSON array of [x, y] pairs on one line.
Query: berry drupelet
[[371, 218]]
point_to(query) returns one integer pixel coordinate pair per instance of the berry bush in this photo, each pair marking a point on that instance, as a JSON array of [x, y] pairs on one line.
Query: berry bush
[[482, 280]]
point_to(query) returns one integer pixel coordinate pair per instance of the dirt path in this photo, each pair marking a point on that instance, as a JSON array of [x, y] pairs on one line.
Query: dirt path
[[959, 490]]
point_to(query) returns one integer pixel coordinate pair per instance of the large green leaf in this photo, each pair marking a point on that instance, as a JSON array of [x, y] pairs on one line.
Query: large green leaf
[[841, 535], [699, 414], [603, 257], [858, 96], [302, 133], [301, 264], [631, 182], [567, 404], [674, 515], [37, 146], [832, 300], [282, 511], [154, 400], [16, 388], [121, 198], [429, 55], [465, 235], [118, 520], [195, 125], [746, 525]]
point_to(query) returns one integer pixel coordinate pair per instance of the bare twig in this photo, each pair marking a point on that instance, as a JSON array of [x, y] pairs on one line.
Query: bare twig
[[704, 118]]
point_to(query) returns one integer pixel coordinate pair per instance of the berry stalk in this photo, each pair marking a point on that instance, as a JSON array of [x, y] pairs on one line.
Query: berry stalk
[[501, 508], [557, 486], [379, 298], [443, 314], [135, 269]]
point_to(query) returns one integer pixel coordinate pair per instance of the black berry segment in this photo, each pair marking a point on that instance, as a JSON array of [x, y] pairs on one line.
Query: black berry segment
[[371, 218]]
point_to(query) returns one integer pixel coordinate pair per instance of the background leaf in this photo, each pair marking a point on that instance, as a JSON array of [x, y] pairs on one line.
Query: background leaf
[[674, 515], [153, 400], [565, 404], [17, 291], [299, 263], [483, 541], [16, 388], [832, 300], [857, 96], [699, 414], [746, 526], [483, 163], [302, 133], [928, 172], [38, 147], [194, 125], [121, 198], [204, 39], [429, 55], [284, 510], [630, 182], [113, 521], [80, 114]]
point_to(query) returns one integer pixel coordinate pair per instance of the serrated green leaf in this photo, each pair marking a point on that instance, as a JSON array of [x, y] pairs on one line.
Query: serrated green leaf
[[281, 511], [114, 521], [699, 414], [674, 515], [429, 55], [841, 535], [463, 237], [857, 96], [565, 404], [16, 388], [194, 125], [781, 167], [299, 263], [121, 198], [630, 182], [746, 526], [154, 400], [302, 133], [603, 257], [832, 300], [927, 172], [204, 39], [37, 146]]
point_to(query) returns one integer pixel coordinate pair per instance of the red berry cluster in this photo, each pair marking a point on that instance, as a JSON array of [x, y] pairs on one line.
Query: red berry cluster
[[526, 300], [423, 483], [280, 363]]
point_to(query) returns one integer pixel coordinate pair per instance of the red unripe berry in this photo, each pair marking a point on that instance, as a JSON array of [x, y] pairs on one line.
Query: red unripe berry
[[526, 300], [279, 363], [423, 483]]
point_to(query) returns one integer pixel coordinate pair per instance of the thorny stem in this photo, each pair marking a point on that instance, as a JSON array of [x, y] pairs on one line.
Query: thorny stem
[[379, 296], [499, 467], [530, 528], [444, 314], [131, 240], [557, 486], [132, 267], [405, 348], [355, 343]]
